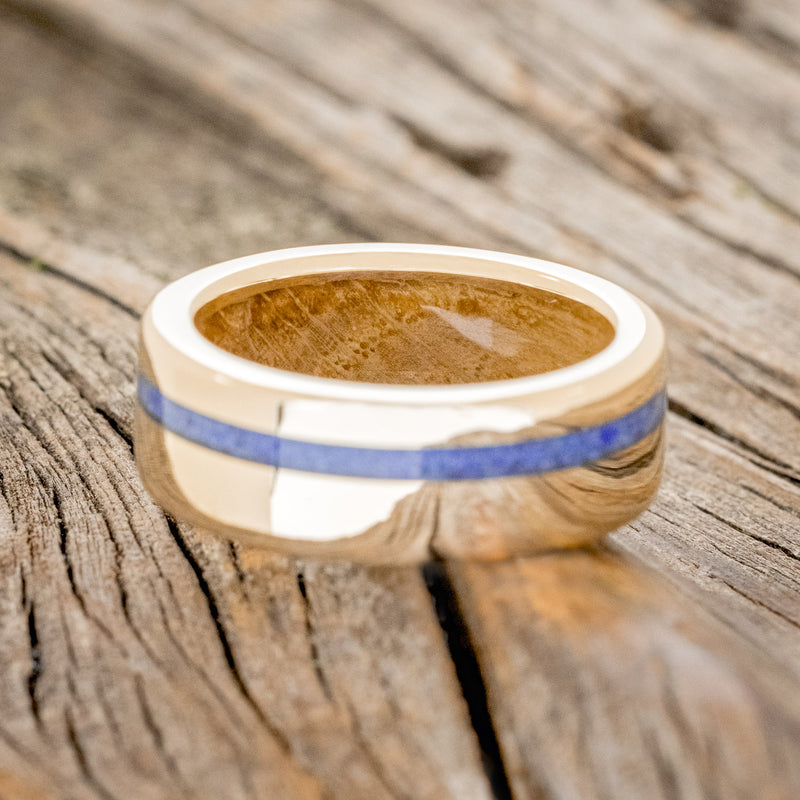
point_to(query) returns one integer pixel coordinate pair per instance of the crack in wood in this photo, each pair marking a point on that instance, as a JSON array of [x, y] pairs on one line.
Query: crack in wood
[[433, 551], [196, 669], [156, 734], [760, 604], [62, 544], [118, 556], [241, 576], [23, 584], [115, 425], [782, 506], [773, 465], [468, 672], [83, 763], [42, 266], [755, 389], [36, 664], [732, 15], [777, 264], [70, 377], [775, 42], [316, 663], [108, 707], [366, 750], [778, 375], [739, 529], [222, 636]]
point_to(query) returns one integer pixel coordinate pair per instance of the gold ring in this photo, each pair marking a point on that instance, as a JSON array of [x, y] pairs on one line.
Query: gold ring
[[389, 403]]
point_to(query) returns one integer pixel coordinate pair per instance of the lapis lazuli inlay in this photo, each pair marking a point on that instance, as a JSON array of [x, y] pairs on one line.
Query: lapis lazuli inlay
[[528, 457]]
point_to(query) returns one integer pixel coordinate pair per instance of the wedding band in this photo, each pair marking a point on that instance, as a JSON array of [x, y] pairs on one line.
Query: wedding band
[[398, 472]]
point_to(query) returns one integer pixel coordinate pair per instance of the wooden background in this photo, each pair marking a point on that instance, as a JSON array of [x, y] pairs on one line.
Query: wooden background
[[655, 143]]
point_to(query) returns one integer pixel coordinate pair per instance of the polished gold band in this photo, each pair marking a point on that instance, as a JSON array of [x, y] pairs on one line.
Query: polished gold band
[[317, 467]]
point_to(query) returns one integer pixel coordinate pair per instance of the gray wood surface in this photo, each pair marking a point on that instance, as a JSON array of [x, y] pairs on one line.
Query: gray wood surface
[[655, 143]]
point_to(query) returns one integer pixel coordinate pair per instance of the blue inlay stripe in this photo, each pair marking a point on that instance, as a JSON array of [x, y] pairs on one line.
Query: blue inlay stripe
[[528, 457]]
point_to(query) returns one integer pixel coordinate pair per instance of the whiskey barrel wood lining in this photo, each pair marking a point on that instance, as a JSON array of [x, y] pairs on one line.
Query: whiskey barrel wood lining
[[137, 143], [378, 327]]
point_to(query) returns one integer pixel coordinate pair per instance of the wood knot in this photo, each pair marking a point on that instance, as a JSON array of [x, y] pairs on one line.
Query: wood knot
[[640, 121], [478, 161], [723, 13]]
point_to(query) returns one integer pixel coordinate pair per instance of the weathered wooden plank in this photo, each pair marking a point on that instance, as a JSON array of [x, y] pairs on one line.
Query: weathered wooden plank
[[148, 661], [606, 650], [773, 25], [631, 110], [373, 132], [243, 594], [136, 175], [603, 684], [85, 555], [732, 531], [724, 322], [544, 200]]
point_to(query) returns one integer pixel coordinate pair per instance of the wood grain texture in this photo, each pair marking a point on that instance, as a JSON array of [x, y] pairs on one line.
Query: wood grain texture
[[416, 328], [609, 686], [150, 662], [653, 143], [113, 612]]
